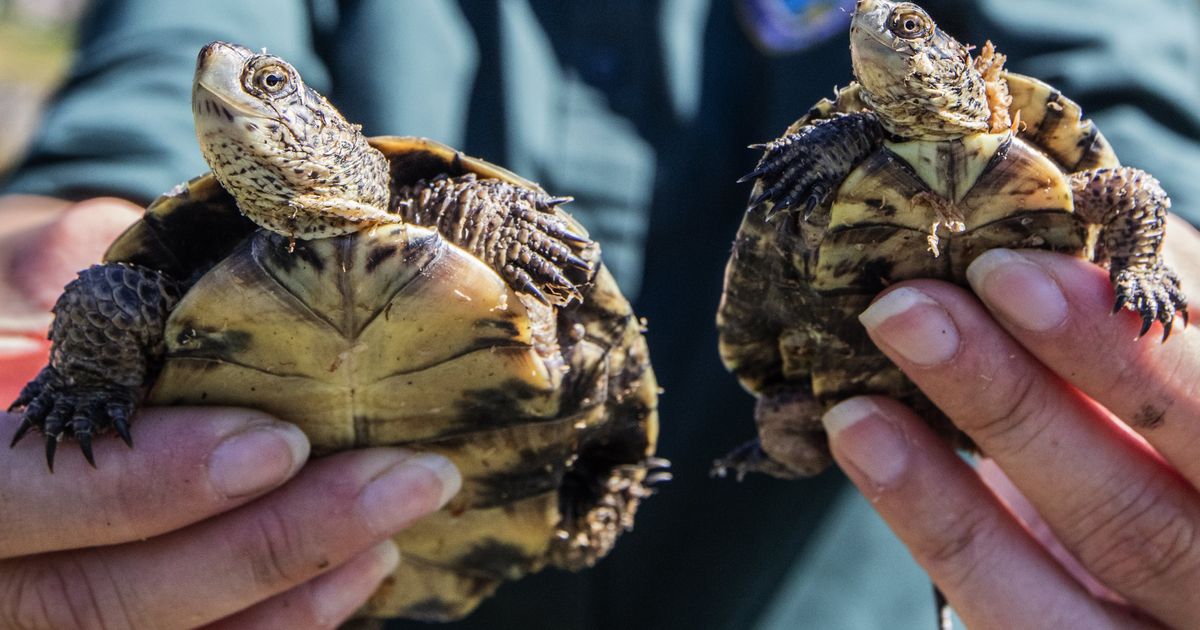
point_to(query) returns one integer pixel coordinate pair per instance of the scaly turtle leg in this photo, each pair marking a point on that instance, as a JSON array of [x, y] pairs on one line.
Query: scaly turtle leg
[[1130, 207], [802, 169], [107, 340], [514, 230]]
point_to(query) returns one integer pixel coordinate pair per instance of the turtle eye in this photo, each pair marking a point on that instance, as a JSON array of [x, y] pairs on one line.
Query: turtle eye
[[271, 79], [910, 22]]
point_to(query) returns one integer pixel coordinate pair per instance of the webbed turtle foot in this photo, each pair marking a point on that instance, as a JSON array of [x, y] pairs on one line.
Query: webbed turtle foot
[[59, 410], [1152, 292]]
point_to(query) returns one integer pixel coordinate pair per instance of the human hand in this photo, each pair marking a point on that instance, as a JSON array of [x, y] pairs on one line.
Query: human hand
[[196, 526], [1097, 429], [43, 243]]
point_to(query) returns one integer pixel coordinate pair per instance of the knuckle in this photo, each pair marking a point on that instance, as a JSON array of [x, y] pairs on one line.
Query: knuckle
[[1139, 539], [1012, 414], [46, 595], [120, 499], [277, 556], [953, 553], [124, 510]]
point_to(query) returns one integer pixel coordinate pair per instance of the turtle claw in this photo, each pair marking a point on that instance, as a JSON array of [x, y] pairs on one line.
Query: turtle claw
[[121, 425], [1147, 321], [85, 445], [27, 395], [26, 425], [1153, 293], [557, 228], [553, 225], [60, 411], [756, 173], [578, 263], [760, 198], [532, 289], [51, 447]]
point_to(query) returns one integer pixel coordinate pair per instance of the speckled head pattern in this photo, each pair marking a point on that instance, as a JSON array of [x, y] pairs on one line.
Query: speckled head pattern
[[285, 153], [921, 81]]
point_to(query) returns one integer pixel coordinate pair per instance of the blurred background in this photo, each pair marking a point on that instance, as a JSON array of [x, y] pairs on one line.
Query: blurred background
[[35, 47]]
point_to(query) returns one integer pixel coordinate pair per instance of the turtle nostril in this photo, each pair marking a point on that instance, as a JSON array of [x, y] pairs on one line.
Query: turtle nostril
[[205, 53]]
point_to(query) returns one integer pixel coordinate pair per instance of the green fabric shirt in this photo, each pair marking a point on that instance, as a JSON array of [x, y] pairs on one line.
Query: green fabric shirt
[[640, 110]]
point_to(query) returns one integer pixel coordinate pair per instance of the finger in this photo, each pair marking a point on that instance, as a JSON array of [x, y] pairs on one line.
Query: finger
[[336, 508], [323, 602], [1020, 507], [1058, 307], [49, 257], [188, 464], [991, 571], [1104, 493]]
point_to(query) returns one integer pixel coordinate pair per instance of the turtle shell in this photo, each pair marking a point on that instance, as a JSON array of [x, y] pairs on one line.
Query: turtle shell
[[806, 284], [395, 337]]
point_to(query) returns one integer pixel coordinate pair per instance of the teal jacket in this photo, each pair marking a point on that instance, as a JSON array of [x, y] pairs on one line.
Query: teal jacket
[[642, 111]]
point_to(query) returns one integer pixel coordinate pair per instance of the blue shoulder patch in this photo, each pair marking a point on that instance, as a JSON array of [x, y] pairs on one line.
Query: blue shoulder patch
[[788, 26]]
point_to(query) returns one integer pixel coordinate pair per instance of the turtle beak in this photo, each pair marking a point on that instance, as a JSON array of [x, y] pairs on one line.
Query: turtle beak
[[219, 69], [872, 49], [870, 20], [220, 54]]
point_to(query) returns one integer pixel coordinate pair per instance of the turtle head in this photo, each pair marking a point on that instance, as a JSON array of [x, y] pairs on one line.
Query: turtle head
[[921, 81], [288, 157]]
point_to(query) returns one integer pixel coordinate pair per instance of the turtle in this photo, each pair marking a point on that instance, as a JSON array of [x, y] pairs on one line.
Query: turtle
[[373, 291], [933, 155]]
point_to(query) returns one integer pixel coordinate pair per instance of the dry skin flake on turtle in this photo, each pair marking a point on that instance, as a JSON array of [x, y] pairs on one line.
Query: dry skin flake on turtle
[[930, 158], [382, 291]]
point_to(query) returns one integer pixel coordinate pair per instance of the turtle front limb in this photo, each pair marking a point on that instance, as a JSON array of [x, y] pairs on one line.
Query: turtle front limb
[[106, 340], [514, 230], [1130, 207], [802, 169]]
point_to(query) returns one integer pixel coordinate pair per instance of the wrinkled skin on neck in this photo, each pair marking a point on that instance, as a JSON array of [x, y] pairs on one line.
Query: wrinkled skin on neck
[[292, 162], [920, 81]]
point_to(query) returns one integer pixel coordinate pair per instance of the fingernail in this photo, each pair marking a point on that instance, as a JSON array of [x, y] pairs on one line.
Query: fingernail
[[407, 491], [1018, 290], [337, 595], [914, 325], [256, 459], [859, 434]]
